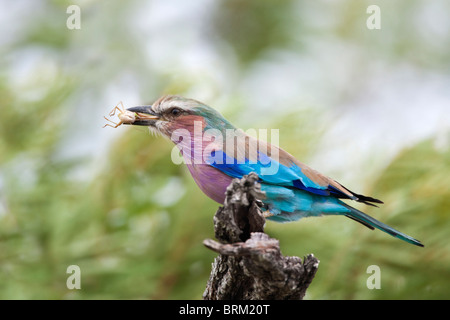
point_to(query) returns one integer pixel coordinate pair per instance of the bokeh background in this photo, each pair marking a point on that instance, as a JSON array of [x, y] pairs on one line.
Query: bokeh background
[[370, 108]]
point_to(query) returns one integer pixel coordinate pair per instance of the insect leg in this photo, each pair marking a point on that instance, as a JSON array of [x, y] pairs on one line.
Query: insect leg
[[109, 125]]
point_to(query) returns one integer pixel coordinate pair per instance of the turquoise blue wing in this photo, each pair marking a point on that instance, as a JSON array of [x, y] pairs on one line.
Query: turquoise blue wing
[[269, 171]]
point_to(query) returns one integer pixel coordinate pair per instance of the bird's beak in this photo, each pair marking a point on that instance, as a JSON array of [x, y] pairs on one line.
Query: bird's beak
[[145, 116]]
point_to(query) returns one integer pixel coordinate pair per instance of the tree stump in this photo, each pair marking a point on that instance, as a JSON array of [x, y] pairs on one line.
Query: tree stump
[[250, 265]]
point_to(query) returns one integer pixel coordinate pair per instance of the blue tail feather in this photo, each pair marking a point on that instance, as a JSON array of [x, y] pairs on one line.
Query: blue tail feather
[[372, 223], [289, 204]]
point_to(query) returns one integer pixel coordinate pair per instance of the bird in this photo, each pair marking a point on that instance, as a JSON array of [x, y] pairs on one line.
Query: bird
[[216, 152]]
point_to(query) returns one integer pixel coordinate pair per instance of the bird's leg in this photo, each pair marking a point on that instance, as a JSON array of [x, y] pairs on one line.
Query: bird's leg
[[267, 214]]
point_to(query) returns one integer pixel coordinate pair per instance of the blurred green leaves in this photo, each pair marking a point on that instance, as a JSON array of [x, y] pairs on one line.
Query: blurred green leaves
[[252, 27]]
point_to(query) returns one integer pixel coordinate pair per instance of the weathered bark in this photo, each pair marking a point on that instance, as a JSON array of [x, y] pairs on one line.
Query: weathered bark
[[250, 265]]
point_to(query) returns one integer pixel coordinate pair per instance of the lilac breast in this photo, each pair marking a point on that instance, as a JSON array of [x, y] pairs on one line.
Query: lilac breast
[[211, 181]]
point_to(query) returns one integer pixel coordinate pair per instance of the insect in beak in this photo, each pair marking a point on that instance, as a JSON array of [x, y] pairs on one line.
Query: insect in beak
[[145, 116], [125, 116], [140, 116]]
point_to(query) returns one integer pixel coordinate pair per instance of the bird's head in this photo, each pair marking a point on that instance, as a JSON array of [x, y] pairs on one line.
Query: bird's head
[[170, 113]]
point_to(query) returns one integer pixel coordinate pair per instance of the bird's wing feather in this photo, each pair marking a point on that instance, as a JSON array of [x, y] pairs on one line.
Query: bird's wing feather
[[278, 167], [269, 170]]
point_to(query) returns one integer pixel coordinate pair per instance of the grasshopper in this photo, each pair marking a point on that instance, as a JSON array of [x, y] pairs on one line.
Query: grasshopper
[[124, 116]]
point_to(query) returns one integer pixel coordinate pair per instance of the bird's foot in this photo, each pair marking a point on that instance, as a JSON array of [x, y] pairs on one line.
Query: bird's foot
[[267, 214]]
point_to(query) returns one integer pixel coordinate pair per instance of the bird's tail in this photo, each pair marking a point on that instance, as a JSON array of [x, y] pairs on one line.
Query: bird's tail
[[372, 223]]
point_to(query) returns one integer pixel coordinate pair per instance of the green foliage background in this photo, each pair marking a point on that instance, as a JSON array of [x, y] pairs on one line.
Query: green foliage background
[[113, 203]]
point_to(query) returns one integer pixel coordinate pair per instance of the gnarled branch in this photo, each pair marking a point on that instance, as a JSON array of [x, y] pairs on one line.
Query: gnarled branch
[[250, 265]]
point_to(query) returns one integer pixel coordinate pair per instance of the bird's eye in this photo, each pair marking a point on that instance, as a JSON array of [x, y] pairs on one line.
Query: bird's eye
[[175, 111]]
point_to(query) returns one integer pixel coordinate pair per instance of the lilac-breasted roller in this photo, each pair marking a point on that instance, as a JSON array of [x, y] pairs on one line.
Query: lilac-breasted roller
[[216, 152]]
